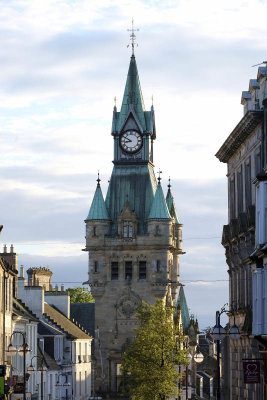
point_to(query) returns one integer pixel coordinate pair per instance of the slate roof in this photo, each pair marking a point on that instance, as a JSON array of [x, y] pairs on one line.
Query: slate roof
[[84, 314], [22, 310], [64, 323], [159, 208], [98, 209], [45, 329], [182, 305]]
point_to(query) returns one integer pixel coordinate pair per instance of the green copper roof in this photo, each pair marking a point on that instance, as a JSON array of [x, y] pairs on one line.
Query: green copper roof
[[159, 209], [171, 206], [133, 102], [182, 304], [132, 96], [135, 184], [98, 210]]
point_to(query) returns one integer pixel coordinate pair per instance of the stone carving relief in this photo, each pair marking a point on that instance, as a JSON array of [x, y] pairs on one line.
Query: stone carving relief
[[127, 304]]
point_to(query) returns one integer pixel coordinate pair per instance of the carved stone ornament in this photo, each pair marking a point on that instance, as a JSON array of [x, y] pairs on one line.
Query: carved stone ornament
[[128, 303]]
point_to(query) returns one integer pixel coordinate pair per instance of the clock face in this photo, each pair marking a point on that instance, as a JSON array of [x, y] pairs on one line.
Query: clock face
[[131, 141]]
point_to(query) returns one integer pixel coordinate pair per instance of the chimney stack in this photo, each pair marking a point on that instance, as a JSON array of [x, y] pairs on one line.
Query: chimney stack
[[62, 288], [5, 248], [21, 271]]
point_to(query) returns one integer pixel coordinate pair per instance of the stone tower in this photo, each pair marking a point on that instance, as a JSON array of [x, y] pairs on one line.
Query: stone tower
[[133, 237]]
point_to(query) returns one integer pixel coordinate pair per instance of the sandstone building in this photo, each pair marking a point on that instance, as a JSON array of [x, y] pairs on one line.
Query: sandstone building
[[133, 236], [244, 152]]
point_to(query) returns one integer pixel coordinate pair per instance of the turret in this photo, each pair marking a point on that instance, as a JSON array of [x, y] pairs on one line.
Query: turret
[[177, 229], [97, 221], [159, 222]]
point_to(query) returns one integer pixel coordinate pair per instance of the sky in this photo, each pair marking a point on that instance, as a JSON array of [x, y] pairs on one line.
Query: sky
[[62, 64]]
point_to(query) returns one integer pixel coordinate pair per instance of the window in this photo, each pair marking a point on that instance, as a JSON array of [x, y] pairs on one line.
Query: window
[[96, 266], [114, 271], [142, 269], [248, 184], [127, 229], [232, 197], [158, 265], [240, 191], [258, 161], [94, 231], [128, 270]]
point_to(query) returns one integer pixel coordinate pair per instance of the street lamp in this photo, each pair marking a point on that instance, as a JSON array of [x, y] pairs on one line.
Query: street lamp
[[43, 369], [65, 385], [24, 348], [218, 333]]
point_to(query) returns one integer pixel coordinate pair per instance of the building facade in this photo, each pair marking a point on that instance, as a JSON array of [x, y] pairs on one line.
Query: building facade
[[244, 152], [133, 237]]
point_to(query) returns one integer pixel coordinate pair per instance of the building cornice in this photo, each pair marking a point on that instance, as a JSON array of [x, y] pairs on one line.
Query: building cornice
[[242, 130]]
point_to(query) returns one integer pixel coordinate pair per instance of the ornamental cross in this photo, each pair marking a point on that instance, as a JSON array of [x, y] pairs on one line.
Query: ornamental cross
[[133, 36], [159, 178], [98, 179]]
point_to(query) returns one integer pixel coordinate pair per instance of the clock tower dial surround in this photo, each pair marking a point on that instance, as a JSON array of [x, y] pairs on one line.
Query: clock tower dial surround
[[131, 141]]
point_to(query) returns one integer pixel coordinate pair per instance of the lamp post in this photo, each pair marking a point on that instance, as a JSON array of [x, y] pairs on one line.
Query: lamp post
[[25, 349], [31, 369], [65, 385], [218, 333]]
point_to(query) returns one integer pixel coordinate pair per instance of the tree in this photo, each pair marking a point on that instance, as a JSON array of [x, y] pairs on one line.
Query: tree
[[80, 295], [150, 363]]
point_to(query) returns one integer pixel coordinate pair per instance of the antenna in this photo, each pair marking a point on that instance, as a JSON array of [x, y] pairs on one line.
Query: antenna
[[263, 62], [133, 37], [169, 185]]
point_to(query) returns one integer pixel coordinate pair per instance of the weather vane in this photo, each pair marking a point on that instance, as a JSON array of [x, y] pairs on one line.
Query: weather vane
[[133, 36], [159, 178]]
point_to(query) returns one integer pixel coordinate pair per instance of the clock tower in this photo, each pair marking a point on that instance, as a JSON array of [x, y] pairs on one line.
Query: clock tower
[[133, 237]]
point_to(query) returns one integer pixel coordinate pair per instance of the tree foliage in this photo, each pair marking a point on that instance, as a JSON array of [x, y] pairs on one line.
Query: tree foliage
[[80, 295], [150, 363]]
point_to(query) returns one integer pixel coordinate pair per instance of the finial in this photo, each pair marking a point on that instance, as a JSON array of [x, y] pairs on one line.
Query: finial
[[115, 100], [152, 99], [169, 185], [98, 179], [132, 36], [159, 178]]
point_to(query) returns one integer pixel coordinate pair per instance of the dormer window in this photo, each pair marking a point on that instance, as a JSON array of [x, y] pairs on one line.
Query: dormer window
[[127, 229], [127, 222]]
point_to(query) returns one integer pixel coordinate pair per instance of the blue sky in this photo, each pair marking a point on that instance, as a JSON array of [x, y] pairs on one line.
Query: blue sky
[[62, 63]]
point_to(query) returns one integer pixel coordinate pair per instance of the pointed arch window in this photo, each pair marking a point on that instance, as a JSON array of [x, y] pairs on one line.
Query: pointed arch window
[[127, 229]]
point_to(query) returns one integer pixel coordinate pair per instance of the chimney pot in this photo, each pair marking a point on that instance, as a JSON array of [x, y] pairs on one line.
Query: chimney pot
[[21, 271], [56, 288], [5, 248], [12, 249], [62, 288]]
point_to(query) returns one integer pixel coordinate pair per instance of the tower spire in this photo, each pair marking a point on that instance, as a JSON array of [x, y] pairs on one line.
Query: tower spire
[[133, 37]]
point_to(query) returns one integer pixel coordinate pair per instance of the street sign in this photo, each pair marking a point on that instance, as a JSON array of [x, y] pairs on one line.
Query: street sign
[[251, 371]]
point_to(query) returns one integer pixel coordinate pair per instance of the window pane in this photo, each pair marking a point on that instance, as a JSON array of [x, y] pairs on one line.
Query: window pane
[[232, 197], [114, 270], [248, 184], [240, 191], [128, 270], [142, 269]]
